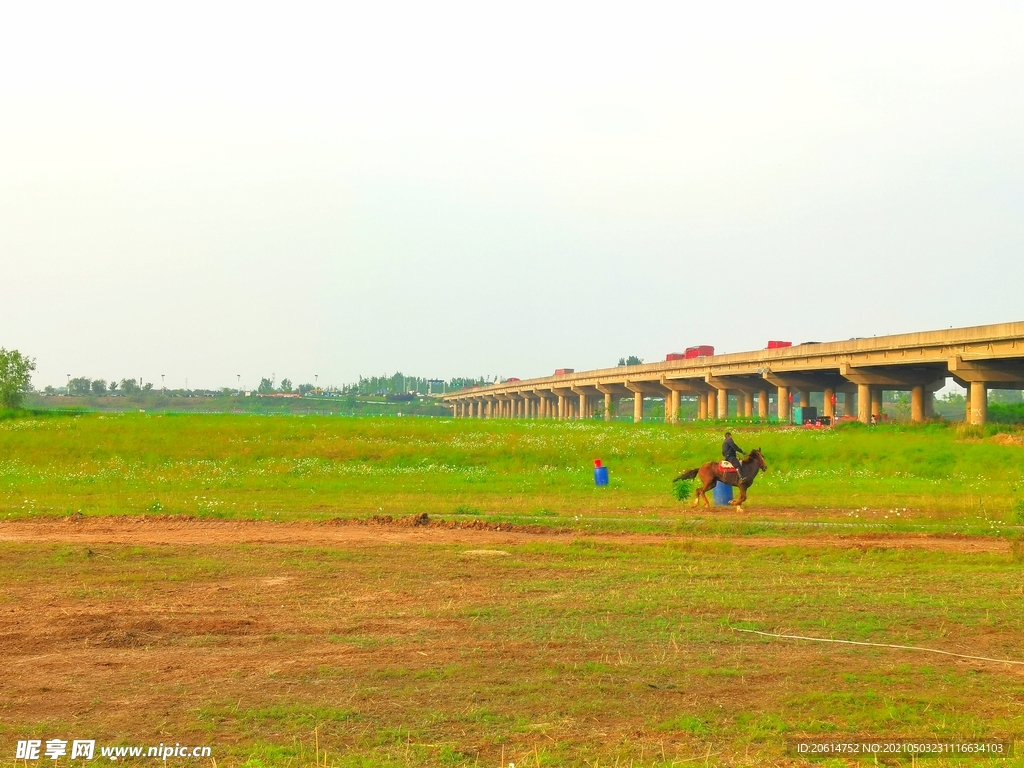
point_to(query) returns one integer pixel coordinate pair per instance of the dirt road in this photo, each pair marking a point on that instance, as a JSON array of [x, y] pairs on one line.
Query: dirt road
[[420, 530]]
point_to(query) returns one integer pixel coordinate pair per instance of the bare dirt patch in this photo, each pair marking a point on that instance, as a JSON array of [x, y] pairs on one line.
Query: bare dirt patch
[[420, 529]]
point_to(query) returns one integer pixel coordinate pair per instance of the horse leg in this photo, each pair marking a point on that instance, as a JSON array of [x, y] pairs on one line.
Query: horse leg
[[701, 494], [743, 495], [742, 498]]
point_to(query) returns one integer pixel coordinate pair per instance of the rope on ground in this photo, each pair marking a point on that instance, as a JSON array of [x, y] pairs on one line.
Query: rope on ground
[[878, 645]]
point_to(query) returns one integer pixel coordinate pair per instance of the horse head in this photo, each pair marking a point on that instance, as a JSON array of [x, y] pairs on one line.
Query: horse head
[[756, 455]]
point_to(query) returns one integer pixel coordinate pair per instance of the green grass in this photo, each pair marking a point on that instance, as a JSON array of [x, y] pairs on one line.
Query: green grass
[[930, 477]]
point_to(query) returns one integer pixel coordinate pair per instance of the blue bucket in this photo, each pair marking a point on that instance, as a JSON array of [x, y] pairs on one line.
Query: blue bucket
[[600, 475], [722, 494]]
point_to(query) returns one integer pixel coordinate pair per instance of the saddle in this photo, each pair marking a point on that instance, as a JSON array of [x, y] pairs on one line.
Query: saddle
[[728, 466]]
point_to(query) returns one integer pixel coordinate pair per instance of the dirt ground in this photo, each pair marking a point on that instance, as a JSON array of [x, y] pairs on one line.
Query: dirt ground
[[267, 644], [421, 530]]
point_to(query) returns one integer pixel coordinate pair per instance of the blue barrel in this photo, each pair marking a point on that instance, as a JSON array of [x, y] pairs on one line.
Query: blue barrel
[[722, 494], [600, 475]]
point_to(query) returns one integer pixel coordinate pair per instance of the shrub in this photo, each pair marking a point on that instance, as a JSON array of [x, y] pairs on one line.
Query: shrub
[[682, 490]]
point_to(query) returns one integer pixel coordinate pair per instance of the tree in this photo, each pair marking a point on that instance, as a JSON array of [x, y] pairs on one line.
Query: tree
[[631, 360], [80, 386], [304, 388], [113, 386], [286, 385], [15, 377], [99, 387], [266, 387], [129, 386]]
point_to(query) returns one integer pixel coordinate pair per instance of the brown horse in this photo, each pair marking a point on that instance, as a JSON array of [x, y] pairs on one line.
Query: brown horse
[[712, 473]]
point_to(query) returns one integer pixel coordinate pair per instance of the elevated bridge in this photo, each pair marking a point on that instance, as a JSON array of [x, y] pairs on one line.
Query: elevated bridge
[[851, 375]]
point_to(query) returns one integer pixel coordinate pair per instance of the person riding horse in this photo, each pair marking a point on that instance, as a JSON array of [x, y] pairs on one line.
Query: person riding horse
[[730, 449]]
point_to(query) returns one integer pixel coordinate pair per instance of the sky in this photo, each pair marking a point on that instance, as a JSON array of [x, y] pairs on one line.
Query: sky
[[218, 192]]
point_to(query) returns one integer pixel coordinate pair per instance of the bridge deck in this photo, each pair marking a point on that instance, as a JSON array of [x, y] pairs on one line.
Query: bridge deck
[[979, 358]]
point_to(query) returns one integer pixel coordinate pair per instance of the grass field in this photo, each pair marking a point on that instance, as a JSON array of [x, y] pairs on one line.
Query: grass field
[[611, 640], [932, 477]]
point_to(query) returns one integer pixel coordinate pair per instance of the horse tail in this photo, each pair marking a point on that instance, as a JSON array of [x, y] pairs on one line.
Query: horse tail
[[687, 475]]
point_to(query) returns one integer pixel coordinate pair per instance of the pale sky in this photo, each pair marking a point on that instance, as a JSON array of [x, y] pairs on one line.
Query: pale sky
[[205, 190]]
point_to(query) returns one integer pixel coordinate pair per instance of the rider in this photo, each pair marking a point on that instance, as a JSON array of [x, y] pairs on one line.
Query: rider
[[730, 449]]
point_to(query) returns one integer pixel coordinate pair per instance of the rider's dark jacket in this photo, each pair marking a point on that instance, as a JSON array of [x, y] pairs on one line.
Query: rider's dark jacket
[[729, 449]]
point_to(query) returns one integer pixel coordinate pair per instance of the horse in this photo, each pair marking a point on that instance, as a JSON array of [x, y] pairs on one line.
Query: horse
[[712, 473]]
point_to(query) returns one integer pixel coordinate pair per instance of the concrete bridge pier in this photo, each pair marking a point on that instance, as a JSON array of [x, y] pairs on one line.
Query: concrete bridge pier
[[805, 398], [979, 402], [702, 406], [580, 402], [876, 402], [783, 403], [830, 404], [762, 404], [978, 377], [864, 403], [712, 404], [638, 402], [748, 404], [917, 403]]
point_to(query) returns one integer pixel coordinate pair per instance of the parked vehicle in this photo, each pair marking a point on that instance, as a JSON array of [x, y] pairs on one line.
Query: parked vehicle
[[701, 351]]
